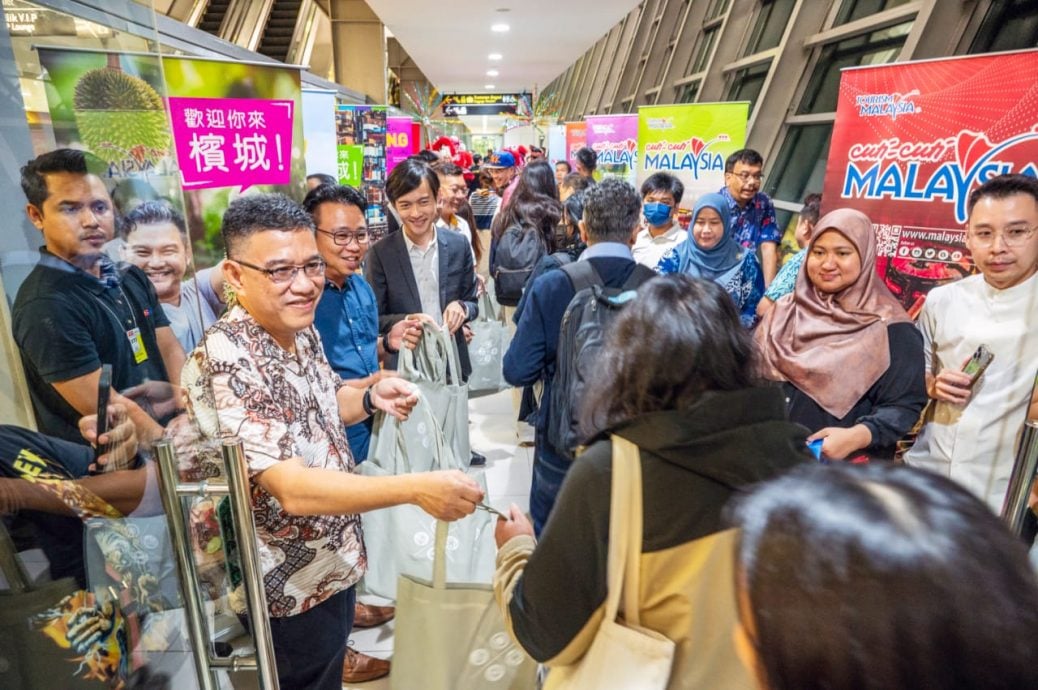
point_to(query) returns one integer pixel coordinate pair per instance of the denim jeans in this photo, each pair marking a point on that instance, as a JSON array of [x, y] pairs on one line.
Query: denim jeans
[[548, 472]]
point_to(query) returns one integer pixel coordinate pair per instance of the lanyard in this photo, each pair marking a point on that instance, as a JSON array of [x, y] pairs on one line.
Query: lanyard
[[129, 304]]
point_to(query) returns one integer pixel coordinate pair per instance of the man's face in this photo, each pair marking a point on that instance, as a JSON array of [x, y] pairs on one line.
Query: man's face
[[282, 309], [743, 182], [417, 210], [1003, 240], [453, 192], [662, 197], [344, 220], [560, 172], [76, 218], [160, 252], [502, 176], [581, 170]]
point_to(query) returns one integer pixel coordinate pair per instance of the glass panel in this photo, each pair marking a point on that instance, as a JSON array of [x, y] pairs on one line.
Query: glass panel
[[689, 92], [875, 48], [704, 48], [1011, 25], [717, 8], [800, 165], [852, 10], [747, 84], [770, 25], [661, 73]]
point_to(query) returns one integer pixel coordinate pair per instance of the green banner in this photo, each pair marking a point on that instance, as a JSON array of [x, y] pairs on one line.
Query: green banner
[[690, 141]]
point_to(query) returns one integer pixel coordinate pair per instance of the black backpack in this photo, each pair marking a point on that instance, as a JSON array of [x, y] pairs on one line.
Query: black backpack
[[581, 337], [518, 251]]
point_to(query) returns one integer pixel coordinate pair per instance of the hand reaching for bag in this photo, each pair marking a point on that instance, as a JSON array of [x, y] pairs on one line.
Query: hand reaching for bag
[[394, 396], [447, 495]]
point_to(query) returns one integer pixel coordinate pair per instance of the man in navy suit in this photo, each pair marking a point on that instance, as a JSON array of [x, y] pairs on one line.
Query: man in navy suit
[[420, 270], [612, 212]]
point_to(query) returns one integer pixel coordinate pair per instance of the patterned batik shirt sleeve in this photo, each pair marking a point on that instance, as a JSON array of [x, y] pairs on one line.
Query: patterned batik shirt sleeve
[[769, 230], [750, 290], [229, 396], [669, 263], [786, 279]]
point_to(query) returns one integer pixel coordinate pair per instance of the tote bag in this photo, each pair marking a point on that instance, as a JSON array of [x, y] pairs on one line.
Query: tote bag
[[401, 540], [452, 636], [623, 655], [490, 339]]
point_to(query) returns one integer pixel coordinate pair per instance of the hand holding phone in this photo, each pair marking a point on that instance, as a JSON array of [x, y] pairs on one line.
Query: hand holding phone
[[104, 391], [976, 365]]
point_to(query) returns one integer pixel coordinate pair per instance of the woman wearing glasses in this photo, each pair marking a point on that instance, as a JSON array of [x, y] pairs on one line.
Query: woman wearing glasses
[[849, 358], [711, 252]]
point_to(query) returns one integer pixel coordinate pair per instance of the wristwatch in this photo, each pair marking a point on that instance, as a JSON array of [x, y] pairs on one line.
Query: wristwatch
[[369, 408]]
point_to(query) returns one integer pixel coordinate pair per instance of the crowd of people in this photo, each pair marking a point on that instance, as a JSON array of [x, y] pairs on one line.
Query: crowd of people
[[737, 377]]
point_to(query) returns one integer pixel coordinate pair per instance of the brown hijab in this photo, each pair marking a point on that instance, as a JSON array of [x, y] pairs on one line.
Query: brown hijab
[[833, 347]]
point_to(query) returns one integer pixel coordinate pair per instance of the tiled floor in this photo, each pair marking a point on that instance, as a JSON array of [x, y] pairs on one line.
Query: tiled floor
[[493, 432]]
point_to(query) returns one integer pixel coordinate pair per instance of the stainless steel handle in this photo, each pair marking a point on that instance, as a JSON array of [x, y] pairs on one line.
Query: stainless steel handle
[[1015, 506]]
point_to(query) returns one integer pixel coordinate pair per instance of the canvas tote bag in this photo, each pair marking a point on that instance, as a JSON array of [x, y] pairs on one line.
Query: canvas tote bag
[[490, 338], [450, 635], [401, 540], [623, 655]]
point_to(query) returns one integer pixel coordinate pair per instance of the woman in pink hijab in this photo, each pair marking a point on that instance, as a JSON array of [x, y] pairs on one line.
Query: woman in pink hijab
[[849, 358]]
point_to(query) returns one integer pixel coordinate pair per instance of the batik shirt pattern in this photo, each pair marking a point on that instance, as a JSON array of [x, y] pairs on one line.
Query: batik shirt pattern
[[753, 223], [241, 383]]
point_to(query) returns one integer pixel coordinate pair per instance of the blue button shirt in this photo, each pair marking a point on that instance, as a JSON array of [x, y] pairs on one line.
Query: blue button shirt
[[347, 320]]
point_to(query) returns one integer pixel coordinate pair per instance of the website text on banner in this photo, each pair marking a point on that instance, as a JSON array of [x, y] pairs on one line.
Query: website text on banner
[[911, 140]]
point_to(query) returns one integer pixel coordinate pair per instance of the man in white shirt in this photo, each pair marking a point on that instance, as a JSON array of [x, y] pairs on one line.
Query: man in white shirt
[[975, 426], [660, 232], [451, 197]]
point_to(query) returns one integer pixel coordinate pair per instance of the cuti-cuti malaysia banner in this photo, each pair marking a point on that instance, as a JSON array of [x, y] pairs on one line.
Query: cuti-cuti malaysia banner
[[911, 140], [690, 141], [361, 134], [615, 139], [576, 139]]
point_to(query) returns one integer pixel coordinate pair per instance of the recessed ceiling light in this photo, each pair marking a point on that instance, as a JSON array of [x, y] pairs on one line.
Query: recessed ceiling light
[[491, 72], [494, 56], [489, 86], [499, 28]]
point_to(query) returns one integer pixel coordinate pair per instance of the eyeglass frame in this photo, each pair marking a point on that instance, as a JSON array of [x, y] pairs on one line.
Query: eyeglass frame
[[352, 234], [1028, 233], [745, 177], [295, 269]]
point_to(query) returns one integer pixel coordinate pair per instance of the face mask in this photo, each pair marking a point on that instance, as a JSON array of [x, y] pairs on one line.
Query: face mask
[[656, 214]]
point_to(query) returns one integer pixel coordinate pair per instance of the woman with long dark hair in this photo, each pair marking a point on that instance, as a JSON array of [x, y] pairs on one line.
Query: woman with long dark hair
[[877, 577], [676, 381]]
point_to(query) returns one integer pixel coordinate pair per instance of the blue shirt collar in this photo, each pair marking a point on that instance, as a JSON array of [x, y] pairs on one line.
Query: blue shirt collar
[[608, 250]]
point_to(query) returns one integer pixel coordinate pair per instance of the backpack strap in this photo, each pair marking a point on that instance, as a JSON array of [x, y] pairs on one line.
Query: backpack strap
[[582, 275], [639, 275]]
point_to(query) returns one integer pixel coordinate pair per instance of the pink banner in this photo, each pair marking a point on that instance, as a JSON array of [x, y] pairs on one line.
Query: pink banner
[[399, 141], [232, 142], [615, 139]]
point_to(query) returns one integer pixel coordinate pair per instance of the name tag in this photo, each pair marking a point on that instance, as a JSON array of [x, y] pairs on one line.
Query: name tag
[[140, 354]]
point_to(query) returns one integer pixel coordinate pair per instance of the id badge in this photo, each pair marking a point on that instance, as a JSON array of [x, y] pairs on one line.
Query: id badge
[[137, 345]]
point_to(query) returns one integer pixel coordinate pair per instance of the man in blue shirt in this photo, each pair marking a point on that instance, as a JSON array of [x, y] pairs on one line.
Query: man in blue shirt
[[347, 314], [752, 213], [612, 214]]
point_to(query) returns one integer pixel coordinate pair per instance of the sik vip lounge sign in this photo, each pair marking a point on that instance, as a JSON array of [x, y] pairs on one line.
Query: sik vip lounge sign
[[912, 140]]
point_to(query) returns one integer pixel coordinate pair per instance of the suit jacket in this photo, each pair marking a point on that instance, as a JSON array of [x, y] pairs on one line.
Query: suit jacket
[[387, 268]]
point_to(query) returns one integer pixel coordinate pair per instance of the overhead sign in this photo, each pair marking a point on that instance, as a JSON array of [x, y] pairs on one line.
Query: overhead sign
[[458, 104]]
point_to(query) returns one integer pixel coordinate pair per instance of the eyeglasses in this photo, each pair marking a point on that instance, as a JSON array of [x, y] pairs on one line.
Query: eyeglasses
[[286, 274], [344, 237], [745, 177], [1012, 237]]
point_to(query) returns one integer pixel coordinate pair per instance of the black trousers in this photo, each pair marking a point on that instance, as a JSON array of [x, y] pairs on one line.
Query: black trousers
[[310, 648]]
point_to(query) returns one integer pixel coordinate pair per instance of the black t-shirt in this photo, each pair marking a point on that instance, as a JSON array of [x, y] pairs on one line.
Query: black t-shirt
[[67, 324]]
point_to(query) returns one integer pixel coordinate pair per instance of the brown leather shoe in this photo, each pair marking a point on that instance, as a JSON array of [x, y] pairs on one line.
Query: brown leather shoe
[[367, 616], [360, 668]]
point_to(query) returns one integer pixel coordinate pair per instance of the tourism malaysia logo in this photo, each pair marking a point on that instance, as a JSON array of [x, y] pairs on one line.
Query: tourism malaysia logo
[[617, 152], [894, 169], [890, 105], [692, 154]]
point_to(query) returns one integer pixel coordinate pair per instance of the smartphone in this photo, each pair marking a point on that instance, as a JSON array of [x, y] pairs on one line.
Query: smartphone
[[978, 363], [104, 390]]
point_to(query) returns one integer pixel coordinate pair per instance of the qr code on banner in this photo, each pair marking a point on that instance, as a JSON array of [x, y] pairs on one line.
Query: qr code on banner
[[887, 238]]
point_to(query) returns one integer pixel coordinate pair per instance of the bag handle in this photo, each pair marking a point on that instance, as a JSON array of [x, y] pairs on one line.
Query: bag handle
[[429, 360], [625, 532], [486, 307]]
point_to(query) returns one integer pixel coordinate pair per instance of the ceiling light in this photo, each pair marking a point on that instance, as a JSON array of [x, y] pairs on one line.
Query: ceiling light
[[489, 86], [499, 28], [494, 56], [491, 72]]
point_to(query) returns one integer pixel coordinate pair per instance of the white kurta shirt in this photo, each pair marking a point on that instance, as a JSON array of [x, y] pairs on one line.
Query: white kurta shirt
[[975, 445]]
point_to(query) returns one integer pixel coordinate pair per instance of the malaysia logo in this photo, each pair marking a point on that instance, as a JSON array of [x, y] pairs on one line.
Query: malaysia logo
[[658, 123], [604, 129], [890, 105], [617, 152], [693, 155]]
